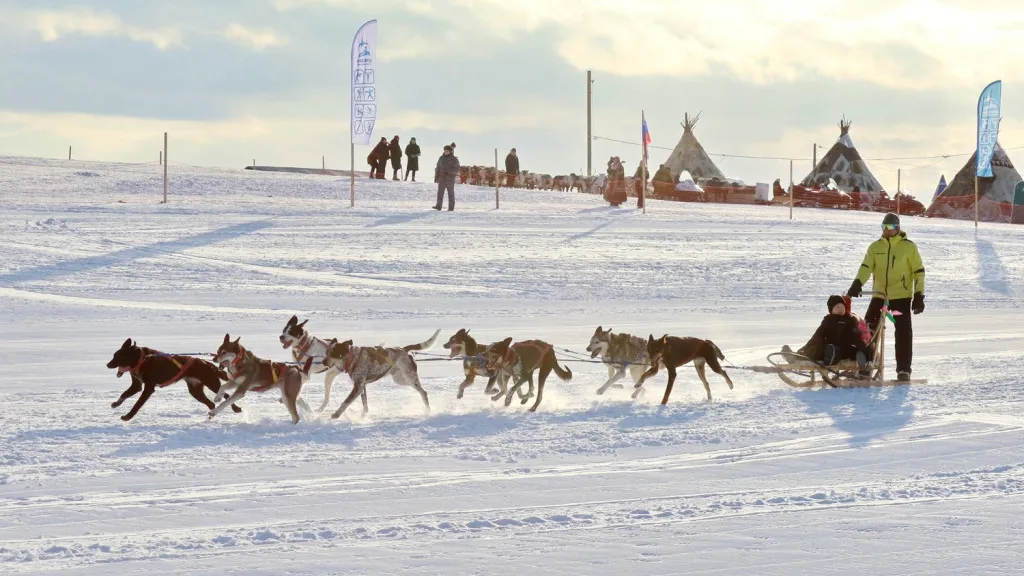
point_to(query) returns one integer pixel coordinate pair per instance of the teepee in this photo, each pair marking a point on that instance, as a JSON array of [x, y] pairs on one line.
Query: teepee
[[995, 193], [941, 186], [843, 164], [689, 155]]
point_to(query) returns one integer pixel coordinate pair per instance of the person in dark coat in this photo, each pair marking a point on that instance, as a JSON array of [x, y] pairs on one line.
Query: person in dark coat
[[395, 151], [840, 336], [445, 172], [412, 153], [379, 158], [639, 184], [664, 174], [511, 168]]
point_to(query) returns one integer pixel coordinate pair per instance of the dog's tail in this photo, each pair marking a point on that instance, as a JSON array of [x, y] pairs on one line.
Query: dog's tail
[[718, 351], [423, 345], [562, 373]]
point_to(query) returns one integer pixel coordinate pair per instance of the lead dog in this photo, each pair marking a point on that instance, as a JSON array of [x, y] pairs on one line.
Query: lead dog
[[474, 363], [247, 372], [519, 360], [151, 369], [672, 352], [618, 351], [367, 364], [304, 345]]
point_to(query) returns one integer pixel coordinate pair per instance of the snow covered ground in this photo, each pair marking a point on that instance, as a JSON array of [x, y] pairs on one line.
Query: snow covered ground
[[767, 480]]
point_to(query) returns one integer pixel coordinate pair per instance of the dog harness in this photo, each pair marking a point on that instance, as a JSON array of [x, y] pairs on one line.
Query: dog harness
[[182, 368], [273, 373], [305, 343], [273, 377]]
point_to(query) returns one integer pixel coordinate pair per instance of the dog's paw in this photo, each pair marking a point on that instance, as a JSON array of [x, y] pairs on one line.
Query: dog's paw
[[210, 415], [115, 404], [618, 386], [236, 409], [126, 418]]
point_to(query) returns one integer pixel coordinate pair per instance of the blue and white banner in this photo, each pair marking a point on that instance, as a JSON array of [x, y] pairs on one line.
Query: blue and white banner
[[364, 83], [989, 104]]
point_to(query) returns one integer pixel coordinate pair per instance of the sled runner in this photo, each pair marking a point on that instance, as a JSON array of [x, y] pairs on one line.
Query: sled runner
[[802, 372]]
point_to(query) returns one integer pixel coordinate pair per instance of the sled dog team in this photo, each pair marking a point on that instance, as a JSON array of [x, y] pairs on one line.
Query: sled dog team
[[235, 371]]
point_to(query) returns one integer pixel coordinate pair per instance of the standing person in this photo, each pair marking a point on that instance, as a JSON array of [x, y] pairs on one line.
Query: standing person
[[445, 172], [895, 263], [639, 183], [412, 152], [395, 151], [511, 168], [380, 155]]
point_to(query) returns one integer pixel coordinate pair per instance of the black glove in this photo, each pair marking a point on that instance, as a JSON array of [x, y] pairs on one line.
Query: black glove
[[917, 306], [855, 290]]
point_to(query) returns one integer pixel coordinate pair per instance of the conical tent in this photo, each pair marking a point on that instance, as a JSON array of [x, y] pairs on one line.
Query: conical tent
[[942, 186], [689, 155], [843, 164], [995, 193]]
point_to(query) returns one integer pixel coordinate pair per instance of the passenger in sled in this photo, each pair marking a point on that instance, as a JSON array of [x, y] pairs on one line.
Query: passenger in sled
[[841, 335]]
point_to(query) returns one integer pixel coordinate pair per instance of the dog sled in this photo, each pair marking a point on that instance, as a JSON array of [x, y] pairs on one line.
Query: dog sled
[[802, 372]]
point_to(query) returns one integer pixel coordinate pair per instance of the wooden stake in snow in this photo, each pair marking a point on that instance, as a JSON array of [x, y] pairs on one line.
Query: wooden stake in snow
[[791, 190], [165, 168], [898, 184], [497, 180]]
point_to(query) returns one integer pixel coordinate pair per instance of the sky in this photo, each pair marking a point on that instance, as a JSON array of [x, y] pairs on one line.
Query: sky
[[236, 80]]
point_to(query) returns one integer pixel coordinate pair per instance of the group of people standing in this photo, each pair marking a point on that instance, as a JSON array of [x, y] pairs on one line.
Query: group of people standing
[[384, 151], [445, 172]]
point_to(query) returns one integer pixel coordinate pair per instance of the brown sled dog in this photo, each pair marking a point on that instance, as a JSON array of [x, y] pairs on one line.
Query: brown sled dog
[[474, 363], [151, 369], [248, 372], [673, 352], [519, 360]]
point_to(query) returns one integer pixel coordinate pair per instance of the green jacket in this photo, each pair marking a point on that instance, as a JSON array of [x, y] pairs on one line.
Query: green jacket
[[896, 265]]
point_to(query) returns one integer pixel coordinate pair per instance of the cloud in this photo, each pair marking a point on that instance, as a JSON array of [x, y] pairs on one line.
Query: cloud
[[52, 25], [907, 45], [257, 40]]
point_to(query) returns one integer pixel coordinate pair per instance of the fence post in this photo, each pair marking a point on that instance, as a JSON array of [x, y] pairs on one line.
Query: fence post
[[69, 152], [165, 168], [497, 180], [898, 187], [792, 192]]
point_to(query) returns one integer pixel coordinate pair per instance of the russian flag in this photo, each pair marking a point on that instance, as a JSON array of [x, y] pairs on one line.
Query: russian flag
[[646, 134]]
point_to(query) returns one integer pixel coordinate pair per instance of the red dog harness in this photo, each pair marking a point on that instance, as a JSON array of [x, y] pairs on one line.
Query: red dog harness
[[274, 376], [182, 368]]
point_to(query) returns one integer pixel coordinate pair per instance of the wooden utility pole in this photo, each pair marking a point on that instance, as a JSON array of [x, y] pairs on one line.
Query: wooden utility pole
[[165, 167], [590, 99], [791, 191]]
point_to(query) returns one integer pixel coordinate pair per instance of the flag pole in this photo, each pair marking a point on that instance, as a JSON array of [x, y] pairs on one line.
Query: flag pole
[[975, 199], [643, 164]]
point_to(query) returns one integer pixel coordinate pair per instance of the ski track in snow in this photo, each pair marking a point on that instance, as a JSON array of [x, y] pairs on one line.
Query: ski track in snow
[[89, 257]]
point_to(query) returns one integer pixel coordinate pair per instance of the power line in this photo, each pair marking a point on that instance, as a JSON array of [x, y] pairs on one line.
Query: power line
[[900, 158]]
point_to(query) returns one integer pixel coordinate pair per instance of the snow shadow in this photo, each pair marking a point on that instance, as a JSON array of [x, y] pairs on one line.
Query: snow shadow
[[401, 218], [865, 414], [991, 272], [590, 232], [128, 255]]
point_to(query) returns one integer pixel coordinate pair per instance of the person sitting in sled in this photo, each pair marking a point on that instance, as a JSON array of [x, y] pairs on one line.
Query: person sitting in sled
[[840, 336]]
